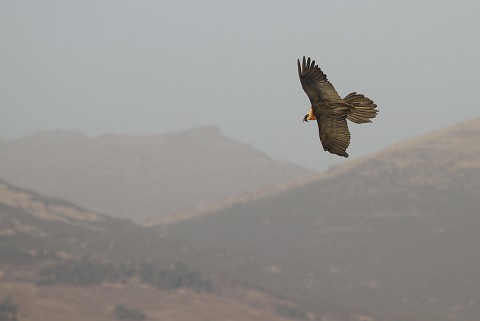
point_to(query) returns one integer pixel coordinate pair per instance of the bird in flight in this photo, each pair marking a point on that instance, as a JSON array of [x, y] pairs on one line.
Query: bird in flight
[[330, 110]]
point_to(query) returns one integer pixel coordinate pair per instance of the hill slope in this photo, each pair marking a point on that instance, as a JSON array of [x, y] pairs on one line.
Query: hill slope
[[61, 262], [74, 303], [393, 235], [33, 224], [140, 177]]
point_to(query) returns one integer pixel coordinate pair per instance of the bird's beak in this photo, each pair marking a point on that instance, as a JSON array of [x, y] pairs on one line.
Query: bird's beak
[[305, 119]]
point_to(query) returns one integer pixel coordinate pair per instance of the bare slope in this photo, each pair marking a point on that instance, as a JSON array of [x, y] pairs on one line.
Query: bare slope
[[394, 235], [32, 225], [140, 177], [98, 302], [36, 231]]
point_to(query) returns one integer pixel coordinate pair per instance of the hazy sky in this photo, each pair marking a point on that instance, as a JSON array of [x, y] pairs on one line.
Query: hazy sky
[[148, 67]]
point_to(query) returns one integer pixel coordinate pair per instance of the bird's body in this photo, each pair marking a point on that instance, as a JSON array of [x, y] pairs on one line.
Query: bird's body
[[330, 110]]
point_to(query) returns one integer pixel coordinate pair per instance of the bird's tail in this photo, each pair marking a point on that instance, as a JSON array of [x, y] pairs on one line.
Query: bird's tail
[[363, 108]]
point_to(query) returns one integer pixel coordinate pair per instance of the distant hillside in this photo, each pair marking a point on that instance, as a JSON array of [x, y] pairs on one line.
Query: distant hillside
[[36, 226], [61, 262], [99, 303], [392, 236], [140, 178]]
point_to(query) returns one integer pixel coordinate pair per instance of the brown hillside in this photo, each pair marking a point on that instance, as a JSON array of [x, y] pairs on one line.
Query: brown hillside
[[439, 158], [78, 303], [393, 235], [38, 232]]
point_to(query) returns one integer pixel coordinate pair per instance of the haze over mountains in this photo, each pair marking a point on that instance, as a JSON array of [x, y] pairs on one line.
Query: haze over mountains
[[392, 236], [140, 177], [61, 262]]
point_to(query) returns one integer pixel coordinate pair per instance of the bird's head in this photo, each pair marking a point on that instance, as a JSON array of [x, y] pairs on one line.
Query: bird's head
[[309, 116]]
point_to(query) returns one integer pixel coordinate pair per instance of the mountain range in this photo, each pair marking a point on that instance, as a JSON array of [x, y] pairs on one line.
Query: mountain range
[[140, 177], [389, 237], [59, 262], [393, 235]]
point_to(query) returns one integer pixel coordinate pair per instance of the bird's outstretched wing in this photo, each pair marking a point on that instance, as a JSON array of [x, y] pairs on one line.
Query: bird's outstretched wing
[[319, 90], [334, 133]]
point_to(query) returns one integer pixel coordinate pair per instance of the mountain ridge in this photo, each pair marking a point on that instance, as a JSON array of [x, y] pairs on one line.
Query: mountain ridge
[[50, 248], [140, 177], [392, 235], [470, 129]]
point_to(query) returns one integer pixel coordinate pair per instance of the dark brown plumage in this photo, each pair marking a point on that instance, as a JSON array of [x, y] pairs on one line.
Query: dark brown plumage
[[330, 110]]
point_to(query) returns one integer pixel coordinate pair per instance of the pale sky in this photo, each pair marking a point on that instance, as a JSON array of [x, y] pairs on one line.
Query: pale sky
[[150, 67]]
